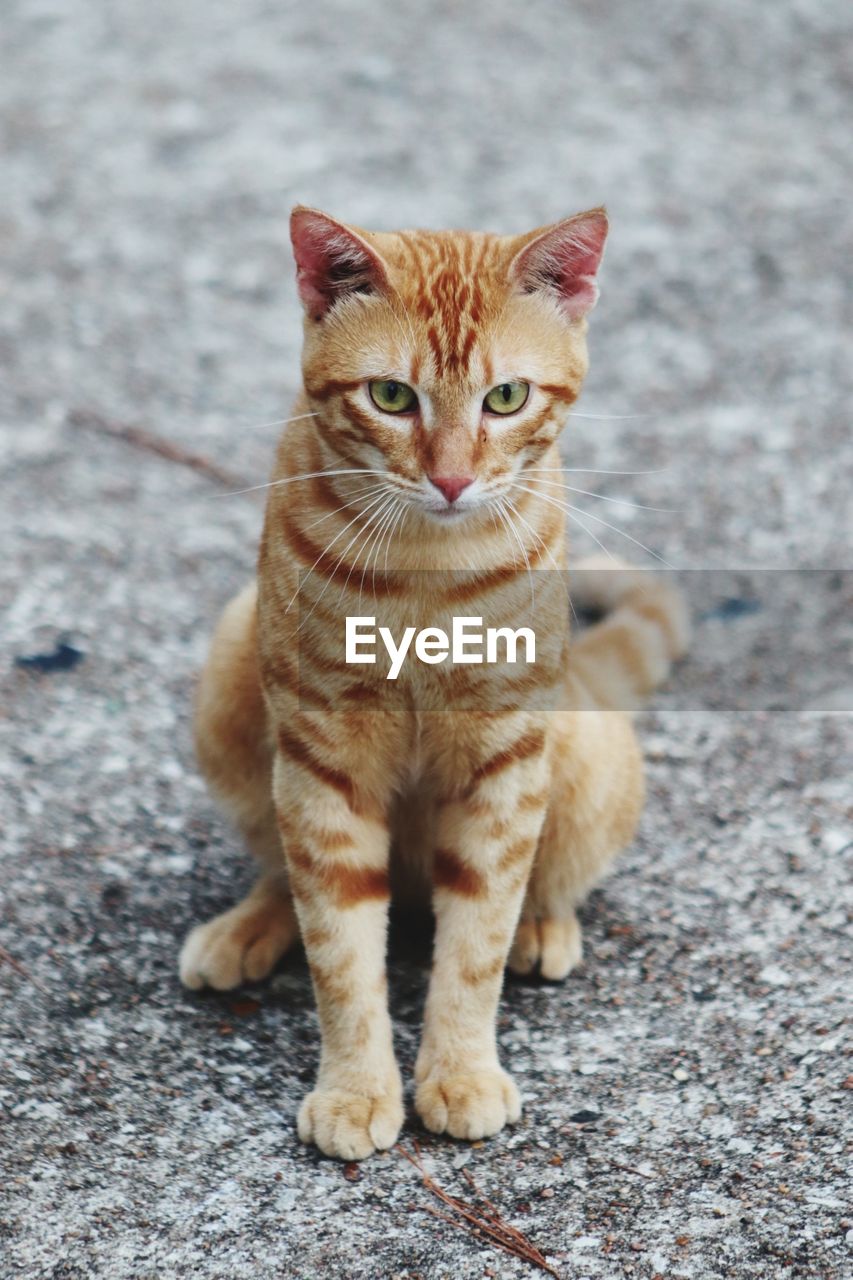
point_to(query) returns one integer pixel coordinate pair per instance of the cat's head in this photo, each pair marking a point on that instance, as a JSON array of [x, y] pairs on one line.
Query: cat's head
[[445, 360]]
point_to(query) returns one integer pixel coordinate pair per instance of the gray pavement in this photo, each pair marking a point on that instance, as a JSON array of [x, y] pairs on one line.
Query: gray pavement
[[687, 1090]]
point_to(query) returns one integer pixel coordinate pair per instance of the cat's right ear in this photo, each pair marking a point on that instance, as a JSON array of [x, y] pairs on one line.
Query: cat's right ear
[[563, 260], [332, 261]]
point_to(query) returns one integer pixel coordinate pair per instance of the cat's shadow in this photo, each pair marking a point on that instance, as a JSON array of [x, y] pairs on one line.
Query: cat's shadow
[[410, 943], [411, 935]]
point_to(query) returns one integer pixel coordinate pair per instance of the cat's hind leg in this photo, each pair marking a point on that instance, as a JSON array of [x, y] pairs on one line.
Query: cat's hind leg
[[597, 772], [235, 754], [243, 944], [553, 944], [596, 799]]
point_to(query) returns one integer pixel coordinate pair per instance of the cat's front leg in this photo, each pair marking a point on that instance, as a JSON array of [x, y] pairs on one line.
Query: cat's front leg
[[335, 835], [488, 833]]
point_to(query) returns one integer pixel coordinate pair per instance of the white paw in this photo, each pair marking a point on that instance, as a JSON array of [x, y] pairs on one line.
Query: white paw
[[555, 945], [468, 1104], [242, 945], [351, 1125]]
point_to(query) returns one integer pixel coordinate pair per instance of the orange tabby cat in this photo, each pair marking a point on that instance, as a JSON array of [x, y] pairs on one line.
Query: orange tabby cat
[[439, 368]]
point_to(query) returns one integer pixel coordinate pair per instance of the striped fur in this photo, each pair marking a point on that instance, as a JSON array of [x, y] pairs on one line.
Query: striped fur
[[502, 811]]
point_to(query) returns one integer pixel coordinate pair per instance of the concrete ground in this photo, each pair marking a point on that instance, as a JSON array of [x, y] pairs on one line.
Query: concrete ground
[[686, 1091]]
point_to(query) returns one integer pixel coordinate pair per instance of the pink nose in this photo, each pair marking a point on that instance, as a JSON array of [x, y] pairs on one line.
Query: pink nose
[[451, 486]]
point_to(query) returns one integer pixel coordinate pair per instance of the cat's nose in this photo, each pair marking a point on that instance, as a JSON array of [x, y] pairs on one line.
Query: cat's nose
[[451, 486]]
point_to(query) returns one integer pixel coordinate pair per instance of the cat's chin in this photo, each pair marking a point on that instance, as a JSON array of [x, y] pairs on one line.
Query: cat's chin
[[446, 516]]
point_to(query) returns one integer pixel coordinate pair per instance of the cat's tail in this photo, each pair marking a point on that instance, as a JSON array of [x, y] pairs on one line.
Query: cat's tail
[[644, 629]]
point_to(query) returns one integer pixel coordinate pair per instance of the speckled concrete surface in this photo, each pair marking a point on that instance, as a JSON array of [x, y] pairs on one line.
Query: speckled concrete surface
[[687, 1091]]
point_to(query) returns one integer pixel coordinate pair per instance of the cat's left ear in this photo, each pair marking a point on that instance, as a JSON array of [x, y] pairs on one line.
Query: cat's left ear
[[562, 261], [332, 261]]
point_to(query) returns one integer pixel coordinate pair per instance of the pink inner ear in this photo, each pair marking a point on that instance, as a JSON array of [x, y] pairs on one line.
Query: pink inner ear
[[331, 261], [564, 261]]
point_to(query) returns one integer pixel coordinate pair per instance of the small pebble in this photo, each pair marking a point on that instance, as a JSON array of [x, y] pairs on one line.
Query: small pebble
[[774, 976]]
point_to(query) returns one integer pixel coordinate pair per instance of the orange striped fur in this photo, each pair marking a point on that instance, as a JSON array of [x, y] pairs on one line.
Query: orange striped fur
[[502, 798]]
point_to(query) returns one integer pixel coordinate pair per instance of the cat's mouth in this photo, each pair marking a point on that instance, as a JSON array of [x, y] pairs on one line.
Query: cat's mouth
[[451, 512]]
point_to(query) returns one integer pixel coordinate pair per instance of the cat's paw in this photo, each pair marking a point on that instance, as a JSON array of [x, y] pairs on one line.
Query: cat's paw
[[468, 1104], [351, 1125], [556, 946], [242, 945]]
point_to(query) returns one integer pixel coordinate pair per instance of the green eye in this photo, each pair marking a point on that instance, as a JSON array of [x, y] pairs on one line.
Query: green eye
[[391, 396], [507, 398]]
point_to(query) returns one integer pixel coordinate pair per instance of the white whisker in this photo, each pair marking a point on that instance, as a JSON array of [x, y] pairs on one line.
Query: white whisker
[[329, 545], [357, 497], [373, 548], [494, 518], [560, 507], [604, 497], [309, 475], [280, 422], [340, 559], [401, 514], [567, 507], [543, 544], [609, 417], [575, 518], [517, 536], [594, 471], [362, 546], [386, 540]]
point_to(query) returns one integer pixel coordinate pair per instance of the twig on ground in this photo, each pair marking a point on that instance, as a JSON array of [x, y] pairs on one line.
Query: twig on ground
[[7, 958], [629, 1168], [141, 438], [488, 1224]]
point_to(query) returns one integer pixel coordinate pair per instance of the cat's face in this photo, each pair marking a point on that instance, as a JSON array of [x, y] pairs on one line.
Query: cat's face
[[445, 361]]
